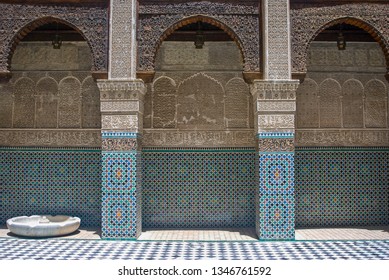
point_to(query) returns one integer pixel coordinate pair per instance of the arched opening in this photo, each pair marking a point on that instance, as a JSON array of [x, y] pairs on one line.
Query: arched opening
[[198, 148], [50, 125], [342, 128]]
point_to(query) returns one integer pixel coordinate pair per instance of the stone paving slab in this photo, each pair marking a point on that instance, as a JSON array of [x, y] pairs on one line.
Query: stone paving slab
[[65, 249]]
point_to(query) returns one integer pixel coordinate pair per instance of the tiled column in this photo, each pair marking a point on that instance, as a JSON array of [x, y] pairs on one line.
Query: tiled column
[[121, 98], [274, 106], [122, 119]]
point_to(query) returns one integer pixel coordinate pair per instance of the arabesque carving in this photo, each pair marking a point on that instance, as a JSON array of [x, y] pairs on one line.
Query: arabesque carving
[[239, 20], [17, 20], [308, 20]]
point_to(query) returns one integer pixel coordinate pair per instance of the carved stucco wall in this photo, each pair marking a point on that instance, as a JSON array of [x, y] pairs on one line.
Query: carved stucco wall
[[52, 99], [308, 20], [18, 20], [198, 98], [344, 99], [241, 20]]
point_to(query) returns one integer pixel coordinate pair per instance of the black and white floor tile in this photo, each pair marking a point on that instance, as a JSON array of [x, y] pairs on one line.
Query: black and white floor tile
[[65, 249]]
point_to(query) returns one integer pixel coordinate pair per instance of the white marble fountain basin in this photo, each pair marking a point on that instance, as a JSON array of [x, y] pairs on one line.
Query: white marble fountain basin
[[43, 226]]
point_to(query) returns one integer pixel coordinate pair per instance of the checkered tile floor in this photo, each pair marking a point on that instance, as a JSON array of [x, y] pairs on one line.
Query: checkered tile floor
[[65, 249]]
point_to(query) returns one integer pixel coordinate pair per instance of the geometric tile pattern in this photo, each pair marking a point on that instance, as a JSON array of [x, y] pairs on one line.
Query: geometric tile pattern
[[275, 211], [39, 181], [276, 173], [342, 187], [198, 188], [121, 195], [65, 249]]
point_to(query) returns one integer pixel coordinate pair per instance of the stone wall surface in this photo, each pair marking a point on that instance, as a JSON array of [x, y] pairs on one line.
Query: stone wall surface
[[343, 100]]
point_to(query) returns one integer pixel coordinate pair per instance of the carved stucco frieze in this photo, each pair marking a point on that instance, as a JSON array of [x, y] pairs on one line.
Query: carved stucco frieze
[[281, 106], [91, 21], [120, 122], [119, 90], [308, 20], [342, 137], [274, 90], [241, 18], [54, 138], [120, 144], [166, 138], [120, 106], [274, 145], [275, 121]]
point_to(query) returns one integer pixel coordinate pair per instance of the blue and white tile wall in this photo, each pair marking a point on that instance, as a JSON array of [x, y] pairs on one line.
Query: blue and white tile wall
[[198, 188], [36, 181], [342, 187]]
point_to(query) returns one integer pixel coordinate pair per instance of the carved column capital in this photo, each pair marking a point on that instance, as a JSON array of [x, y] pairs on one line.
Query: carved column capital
[[274, 105], [122, 105]]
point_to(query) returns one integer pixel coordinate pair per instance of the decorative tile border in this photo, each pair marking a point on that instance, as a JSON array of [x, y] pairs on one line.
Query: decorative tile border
[[275, 135], [111, 134]]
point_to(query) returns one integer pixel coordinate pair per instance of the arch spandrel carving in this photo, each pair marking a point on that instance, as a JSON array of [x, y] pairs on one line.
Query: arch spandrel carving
[[376, 104], [352, 104], [46, 103], [308, 21], [330, 104], [307, 104], [24, 103], [240, 21], [16, 21]]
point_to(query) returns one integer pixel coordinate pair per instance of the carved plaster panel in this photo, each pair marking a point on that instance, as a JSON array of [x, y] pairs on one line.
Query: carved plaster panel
[[69, 105], [330, 103], [236, 108], [91, 21], [200, 103], [352, 104], [6, 102], [240, 18], [171, 138], [122, 39], [24, 103], [276, 29], [55, 138], [46, 103]]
